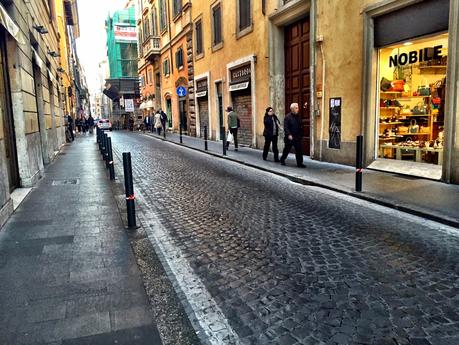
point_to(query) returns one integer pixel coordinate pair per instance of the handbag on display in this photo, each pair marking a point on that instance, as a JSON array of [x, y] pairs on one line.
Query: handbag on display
[[414, 127], [385, 84], [419, 109], [398, 85]]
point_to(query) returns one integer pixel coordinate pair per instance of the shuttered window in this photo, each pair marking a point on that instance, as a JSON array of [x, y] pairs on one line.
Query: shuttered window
[[154, 22], [179, 58], [162, 15], [245, 18], [166, 68], [177, 7], [217, 24], [198, 29]]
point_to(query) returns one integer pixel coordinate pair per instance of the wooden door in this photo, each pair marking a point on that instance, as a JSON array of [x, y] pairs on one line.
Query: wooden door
[[297, 81]]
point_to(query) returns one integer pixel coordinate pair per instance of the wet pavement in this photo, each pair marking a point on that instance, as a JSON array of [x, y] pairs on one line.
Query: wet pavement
[[67, 271], [294, 264]]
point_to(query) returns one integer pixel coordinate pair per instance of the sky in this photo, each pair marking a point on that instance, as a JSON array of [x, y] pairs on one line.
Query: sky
[[91, 45]]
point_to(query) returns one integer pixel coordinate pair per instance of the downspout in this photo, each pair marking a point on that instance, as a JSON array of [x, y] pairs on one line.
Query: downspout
[[168, 17], [312, 69], [322, 123]]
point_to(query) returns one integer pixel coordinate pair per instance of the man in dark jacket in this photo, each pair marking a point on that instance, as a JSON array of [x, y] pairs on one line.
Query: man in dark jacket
[[293, 131]]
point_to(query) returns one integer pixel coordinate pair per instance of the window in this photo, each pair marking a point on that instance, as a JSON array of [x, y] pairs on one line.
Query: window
[[166, 67], [179, 58], [146, 28], [51, 9], [244, 15], [198, 32], [154, 22], [217, 25], [177, 7], [150, 77], [162, 16]]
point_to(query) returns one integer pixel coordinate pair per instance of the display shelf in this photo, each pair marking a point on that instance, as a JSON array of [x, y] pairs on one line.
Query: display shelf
[[391, 123], [408, 98], [390, 107], [391, 92], [413, 134]]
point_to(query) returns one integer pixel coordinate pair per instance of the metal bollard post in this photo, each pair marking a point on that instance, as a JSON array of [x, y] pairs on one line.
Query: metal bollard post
[[97, 134], [106, 150], [224, 140], [205, 138], [164, 133], [129, 188], [102, 151], [181, 140], [111, 165], [359, 164]]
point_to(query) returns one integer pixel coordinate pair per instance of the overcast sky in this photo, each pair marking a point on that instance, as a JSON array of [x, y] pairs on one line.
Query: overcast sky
[[91, 45]]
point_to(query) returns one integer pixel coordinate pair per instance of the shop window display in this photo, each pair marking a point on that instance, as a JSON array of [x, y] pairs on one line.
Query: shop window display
[[412, 77]]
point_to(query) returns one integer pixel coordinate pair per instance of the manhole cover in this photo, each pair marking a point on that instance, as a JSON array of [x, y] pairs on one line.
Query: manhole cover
[[65, 182]]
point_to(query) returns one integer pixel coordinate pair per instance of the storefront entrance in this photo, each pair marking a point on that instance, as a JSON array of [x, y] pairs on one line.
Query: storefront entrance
[[297, 75], [6, 119]]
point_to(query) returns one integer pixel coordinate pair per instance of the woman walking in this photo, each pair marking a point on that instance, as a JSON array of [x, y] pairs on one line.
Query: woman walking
[[158, 124], [271, 133]]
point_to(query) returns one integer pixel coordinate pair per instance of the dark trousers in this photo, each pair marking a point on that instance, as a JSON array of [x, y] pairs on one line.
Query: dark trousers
[[268, 140], [158, 130], [296, 143], [233, 131]]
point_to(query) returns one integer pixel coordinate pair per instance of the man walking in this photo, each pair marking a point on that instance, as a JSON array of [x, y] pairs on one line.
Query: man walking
[[232, 126], [293, 131]]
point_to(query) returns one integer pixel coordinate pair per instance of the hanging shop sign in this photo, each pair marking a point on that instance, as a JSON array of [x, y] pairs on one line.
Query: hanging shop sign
[[10, 26], [201, 88], [421, 55], [129, 105]]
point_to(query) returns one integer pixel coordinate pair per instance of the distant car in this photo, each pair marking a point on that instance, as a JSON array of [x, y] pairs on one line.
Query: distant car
[[104, 124]]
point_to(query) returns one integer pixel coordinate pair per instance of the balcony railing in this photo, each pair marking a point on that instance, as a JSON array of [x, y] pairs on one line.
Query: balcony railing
[[151, 46]]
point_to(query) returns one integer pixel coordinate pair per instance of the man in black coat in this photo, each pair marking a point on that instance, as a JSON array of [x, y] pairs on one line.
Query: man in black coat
[[293, 131]]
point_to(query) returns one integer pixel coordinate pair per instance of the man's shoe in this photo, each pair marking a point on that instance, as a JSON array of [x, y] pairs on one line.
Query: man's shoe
[[301, 166], [282, 162], [235, 150], [264, 158], [276, 161]]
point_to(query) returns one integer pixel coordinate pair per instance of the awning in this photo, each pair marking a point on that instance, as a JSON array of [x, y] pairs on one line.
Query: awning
[[149, 105], [201, 94], [240, 86], [142, 106], [37, 59], [11, 26]]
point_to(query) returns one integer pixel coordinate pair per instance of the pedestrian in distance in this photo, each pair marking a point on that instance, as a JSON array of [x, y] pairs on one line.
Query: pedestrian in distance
[[293, 131], [90, 123], [158, 123], [70, 127], [163, 119], [147, 123], [271, 133], [131, 123], [233, 125]]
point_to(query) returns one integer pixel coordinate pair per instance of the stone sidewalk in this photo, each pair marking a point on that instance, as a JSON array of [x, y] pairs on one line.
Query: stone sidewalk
[[426, 198], [67, 271]]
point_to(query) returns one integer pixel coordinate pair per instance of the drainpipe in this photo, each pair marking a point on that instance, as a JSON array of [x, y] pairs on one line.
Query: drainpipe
[[312, 69]]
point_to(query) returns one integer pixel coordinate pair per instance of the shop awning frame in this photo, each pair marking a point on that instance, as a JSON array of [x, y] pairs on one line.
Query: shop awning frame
[[239, 86], [10, 25]]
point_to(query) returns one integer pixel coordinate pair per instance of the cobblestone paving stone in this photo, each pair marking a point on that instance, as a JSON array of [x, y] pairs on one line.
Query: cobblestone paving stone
[[290, 264]]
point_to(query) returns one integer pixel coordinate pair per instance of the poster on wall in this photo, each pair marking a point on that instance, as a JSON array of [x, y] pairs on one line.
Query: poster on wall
[[334, 130]]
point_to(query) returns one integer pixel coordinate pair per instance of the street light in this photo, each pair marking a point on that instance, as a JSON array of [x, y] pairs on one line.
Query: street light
[[41, 29], [53, 54], [60, 70]]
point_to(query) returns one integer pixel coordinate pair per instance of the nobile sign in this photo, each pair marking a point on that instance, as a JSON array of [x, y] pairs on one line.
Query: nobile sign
[[421, 55]]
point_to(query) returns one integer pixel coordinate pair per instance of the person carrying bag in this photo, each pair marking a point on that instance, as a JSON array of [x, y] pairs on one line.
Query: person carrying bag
[[271, 133]]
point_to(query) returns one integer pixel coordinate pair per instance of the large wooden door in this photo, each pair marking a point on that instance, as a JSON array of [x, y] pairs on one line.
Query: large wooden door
[[297, 82]]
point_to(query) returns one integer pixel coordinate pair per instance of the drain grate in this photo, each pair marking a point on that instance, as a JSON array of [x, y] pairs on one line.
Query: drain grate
[[65, 182]]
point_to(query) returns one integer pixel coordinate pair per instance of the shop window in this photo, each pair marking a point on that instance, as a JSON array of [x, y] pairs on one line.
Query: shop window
[[217, 26], [412, 84], [198, 33]]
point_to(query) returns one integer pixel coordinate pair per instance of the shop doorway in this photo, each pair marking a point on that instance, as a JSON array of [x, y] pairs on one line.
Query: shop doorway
[[183, 114], [242, 105], [203, 104], [38, 85], [297, 75], [6, 116], [219, 103]]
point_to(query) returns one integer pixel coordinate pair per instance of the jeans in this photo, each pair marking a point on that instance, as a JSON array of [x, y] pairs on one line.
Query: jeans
[[298, 152], [233, 131], [268, 141]]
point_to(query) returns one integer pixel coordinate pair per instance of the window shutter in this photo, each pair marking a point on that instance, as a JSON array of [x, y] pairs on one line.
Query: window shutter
[[244, 14], [217, 25], [199, 37]]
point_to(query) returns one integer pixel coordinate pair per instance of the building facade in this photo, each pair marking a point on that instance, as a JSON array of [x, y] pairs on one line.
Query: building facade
[[34, 84], [122, 87]]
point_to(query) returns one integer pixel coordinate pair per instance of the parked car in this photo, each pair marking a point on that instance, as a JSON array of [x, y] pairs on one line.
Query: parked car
[[104, 124]]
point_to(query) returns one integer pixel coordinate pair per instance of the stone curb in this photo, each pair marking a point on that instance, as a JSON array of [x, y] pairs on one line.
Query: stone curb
[[380, 201]]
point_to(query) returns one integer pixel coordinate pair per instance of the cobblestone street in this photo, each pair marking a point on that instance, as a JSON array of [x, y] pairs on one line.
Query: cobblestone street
[[289, 264]]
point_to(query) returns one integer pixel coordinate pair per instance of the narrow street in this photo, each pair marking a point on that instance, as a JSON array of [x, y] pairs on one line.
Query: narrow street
[[291, 264]]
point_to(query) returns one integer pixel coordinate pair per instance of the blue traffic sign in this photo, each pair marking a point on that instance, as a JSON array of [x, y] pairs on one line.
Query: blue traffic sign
[[181, 91]]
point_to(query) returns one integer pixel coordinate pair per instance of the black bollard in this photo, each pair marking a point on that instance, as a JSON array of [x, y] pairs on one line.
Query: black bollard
[[111, 165], [205, 138], [102, 151], [97, 134], [181, 140], [359, 164], [224, 140], [164, 133], [129, 188], [106, 150]]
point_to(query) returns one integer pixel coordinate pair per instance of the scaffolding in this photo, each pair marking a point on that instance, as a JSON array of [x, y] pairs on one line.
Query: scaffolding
[[122, 43]]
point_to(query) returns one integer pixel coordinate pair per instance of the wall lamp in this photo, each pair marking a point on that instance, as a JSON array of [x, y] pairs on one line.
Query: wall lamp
[[60, 70], [41, 29]]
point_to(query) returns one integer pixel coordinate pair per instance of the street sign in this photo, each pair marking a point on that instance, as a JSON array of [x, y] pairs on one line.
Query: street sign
[[129, 105], [181, 91]]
